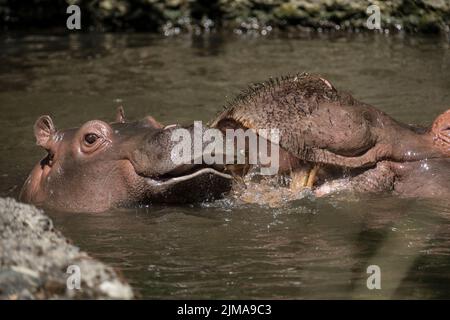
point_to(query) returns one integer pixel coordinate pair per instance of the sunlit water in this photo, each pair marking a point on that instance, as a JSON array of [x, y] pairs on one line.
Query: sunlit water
[[309, 248]]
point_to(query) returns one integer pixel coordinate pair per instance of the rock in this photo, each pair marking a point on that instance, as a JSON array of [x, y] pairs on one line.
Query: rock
[[35, 259]]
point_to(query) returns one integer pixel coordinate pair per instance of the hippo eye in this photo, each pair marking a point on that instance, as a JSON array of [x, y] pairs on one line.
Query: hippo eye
[[90, 138]]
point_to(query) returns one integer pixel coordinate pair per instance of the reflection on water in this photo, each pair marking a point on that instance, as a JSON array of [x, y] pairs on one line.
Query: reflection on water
[[306, 248]]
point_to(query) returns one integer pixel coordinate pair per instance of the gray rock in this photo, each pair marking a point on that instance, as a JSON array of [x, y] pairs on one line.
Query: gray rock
[[34, 261]]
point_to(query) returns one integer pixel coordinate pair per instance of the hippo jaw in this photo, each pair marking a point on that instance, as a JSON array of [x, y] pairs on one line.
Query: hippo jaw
[[205, 184]]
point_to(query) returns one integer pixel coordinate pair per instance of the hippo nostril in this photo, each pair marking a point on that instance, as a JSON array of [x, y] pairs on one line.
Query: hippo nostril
[[51, 157]]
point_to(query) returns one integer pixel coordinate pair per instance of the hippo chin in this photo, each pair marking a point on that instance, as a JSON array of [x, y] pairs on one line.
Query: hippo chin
[[329, 141], [104, 165]]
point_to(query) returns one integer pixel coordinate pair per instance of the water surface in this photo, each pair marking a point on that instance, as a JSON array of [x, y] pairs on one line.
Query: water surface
[[310, 248]]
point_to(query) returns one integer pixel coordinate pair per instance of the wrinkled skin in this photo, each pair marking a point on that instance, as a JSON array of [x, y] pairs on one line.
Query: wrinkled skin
[[328, 132], [101, 166]]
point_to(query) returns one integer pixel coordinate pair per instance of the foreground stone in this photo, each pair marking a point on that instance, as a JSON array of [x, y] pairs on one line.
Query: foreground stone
[[34, 259]]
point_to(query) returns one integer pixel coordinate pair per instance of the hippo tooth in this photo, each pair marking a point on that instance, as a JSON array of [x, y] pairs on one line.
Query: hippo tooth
[[312, 176], [299, 179], [169, 126]]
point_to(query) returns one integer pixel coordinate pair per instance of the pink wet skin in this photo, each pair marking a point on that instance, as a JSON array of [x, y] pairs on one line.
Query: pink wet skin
[[105, 165]]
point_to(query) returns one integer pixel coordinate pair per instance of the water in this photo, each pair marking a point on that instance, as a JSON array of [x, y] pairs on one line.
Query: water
[[310, 248]]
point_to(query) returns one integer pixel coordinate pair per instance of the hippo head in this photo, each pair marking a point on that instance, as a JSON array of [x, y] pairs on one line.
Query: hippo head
[[103, 165], [441, 132]]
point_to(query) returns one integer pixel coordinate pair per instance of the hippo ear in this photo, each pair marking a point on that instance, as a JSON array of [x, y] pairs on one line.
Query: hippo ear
[[43, 130], [120, 115]]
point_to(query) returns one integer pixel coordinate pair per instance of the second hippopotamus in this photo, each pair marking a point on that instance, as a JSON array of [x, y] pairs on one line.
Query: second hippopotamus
[[330, 141]]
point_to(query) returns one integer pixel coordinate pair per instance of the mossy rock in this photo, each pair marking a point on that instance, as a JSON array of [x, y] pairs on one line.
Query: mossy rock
[[151, 15]]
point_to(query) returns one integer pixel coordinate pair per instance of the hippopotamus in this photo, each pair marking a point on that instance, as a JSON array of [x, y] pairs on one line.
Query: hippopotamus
[[330, 141], [103, 165]]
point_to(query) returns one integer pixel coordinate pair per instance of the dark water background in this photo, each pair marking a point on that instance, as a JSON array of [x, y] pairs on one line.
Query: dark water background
[[310, 248]]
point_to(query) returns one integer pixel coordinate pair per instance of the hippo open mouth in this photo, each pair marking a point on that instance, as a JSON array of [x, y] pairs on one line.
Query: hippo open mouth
[[329, 139], [319, 177]]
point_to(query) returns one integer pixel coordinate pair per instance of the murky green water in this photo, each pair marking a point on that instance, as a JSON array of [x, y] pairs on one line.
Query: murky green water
[[305, 249]]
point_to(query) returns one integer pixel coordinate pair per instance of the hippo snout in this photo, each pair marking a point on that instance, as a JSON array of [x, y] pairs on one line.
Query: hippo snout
[[172, 151]]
